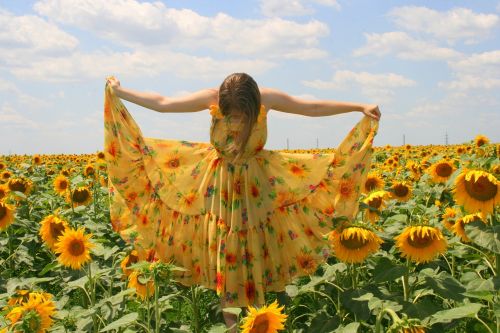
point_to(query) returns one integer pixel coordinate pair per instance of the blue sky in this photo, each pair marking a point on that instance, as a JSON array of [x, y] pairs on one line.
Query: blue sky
[[433, 67]]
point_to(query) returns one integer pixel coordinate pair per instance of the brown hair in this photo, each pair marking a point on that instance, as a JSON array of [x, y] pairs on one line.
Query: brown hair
[[239, 92]]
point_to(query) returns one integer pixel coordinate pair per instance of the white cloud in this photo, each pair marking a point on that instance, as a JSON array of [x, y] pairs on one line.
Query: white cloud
[[134, 24], [24, 99], [379, 87], [453, 25], [11, 118], [99, 64], [404, 47], [293, 7], [477, 71], [33, 33]]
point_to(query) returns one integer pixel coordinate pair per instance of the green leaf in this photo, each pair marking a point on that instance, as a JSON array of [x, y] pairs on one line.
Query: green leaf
[[323, 322], [234, 311], [219, 328], [49, 267], [481, 289], [351, 328], [386, 270], [444, 285], [446, 316], [360, 308], [484, 235], [125, 320]]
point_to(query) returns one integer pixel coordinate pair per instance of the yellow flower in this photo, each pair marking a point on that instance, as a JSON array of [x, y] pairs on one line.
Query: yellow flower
[[401, 191], [441, 171], [143, 290], [51, 227], [74, 248], [35, 314], [459, 229], [79, 196], [476, 191], [61, 184], [267, 319], [481, 140], [421, 243], [448, 217], [131, 259], [6, 215], [353, 244], [375, 200], [373, 182]]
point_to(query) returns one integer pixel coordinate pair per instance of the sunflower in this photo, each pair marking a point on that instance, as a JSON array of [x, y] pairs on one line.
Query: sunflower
[[267, 319], [74, 248], [441, 171], [22, 296], [373, 182], [89, 170], [51, 227], [353, 244], [4, 191], [6, 175], [61, 184], [37, 159], [306, 262], [477, 190], [6, 215], [33, 315], [449, 217], [481, 140], [421, 243], [346, 190], [131, 259], [459, 229], [401, 191], [376, 201], [173, 162], [80, 196], [22, 185], [143, 290]]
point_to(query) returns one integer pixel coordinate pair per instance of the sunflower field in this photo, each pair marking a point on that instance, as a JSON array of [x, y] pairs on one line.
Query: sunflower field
[[423, 254]]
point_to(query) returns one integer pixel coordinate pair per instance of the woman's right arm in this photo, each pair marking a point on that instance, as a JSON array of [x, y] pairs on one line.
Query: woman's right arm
[[280, 101], [197, 101]]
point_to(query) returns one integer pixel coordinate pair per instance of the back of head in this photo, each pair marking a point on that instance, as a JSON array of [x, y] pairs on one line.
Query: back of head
[[239, 93]]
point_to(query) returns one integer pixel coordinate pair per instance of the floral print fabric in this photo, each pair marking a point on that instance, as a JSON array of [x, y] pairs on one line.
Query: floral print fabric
[[241, 227]]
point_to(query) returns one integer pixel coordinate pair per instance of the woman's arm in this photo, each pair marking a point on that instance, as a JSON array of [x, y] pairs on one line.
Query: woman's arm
[[197, 101], [280, 101]]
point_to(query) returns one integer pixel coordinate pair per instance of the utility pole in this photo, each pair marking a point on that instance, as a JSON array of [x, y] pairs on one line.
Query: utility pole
[[317, 142], [287, 144], [404, 140], [446, 137]]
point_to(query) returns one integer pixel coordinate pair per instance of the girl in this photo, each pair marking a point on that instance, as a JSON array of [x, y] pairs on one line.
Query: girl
[[242, 220]]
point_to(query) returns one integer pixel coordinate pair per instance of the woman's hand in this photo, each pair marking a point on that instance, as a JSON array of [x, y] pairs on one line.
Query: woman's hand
[[113, 82], [371, 110]]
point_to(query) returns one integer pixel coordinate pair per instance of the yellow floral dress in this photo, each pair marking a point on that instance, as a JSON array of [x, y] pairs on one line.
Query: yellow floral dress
[[241, 227]]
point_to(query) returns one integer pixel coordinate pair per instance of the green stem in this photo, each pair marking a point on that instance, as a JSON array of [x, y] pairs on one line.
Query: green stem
[[484, 324], [406, 283], [92, 296], [157, 307], [196, 319], [394, 316]]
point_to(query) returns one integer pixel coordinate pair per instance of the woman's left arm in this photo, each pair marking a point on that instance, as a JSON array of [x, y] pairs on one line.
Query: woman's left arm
[[197, 101]]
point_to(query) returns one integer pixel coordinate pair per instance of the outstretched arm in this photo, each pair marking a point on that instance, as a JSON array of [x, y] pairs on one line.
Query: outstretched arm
[[197, 101], [280, 101]]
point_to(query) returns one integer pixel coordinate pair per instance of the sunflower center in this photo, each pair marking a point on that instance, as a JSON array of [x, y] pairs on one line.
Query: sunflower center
[[353, 243], [17, 186], [3, 211], [444, 170], [375, 202], [419, 241], [76, 247], [80, 195], [132, 259], [370, 184], [482, 189], [401, 190], [260, 325], [63, 184], [56, 229]]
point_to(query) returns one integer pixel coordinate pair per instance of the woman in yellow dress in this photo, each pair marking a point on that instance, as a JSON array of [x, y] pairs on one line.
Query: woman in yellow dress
[[241, 219]]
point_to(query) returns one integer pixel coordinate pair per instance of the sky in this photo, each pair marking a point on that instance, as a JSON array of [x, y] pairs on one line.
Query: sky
[[432, 67]]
